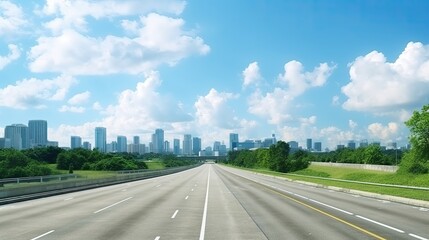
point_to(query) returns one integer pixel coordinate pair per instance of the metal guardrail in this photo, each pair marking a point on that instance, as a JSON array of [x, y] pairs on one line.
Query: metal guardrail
[[37, 179], [366, 183]]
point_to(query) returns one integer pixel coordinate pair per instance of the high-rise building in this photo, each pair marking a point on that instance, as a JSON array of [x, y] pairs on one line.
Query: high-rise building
[[158, 141], [100, 139], [176, 146], [17, 135], [187, 144], [309, 144], [136, 140], [122, 144], [196, 145], [318, 146], [38, 133], [75, 142], [351, 144], [233, 141], [86, 145], [166, 146]]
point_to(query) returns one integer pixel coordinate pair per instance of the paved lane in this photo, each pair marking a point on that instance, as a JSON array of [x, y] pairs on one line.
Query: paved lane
[[211, 202]]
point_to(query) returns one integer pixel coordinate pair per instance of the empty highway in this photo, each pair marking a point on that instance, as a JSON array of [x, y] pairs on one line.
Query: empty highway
[[212, 202]]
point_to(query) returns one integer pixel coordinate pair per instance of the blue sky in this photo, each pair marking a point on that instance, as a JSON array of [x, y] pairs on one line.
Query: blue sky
[[332, 71]]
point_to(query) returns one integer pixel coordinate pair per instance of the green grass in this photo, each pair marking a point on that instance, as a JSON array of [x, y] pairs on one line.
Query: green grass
[[362, 176], [155, 165]]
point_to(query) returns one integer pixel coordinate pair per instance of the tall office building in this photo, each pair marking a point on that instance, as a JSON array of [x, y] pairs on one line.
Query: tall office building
[[86, 145], [122, 144], [100, 139], [187, 144], [75, 142], [309, 144], [196, 145], [318, 146], [233, 141], [38, 133], [136, 140], [158, 141], [17, 135], [167, 146], [176, 146]]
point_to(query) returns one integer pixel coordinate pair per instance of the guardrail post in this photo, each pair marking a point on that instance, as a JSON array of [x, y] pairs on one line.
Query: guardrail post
[[41, 179]]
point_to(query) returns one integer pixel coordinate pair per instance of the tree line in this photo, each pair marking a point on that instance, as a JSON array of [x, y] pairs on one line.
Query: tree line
[[275, 158]]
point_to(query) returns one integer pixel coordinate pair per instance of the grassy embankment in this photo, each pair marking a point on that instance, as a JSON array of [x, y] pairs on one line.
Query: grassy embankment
[[362, 176]]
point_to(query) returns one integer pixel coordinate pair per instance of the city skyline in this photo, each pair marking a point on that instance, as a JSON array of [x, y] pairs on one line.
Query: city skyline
[[333, 71]]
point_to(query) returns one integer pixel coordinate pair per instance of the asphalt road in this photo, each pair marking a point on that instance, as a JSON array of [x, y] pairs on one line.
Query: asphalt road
[[212, 202]]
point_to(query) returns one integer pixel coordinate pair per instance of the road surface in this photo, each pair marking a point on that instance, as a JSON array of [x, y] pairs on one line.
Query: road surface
[[212, 202]]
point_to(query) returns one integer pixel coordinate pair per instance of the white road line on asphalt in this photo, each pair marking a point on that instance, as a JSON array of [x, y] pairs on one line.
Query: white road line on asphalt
[[157, 238], [67, 199], [329, 206], [40, 236], [126, 199], [417, 236], [192, 190], [381, 224], [174, 214], [186, 198], [203, 223], [158, 185]]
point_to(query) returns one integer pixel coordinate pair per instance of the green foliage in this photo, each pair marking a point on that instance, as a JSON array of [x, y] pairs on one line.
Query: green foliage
[[82, 159], [171, 160], [372, 154], [44, 154], [14, 163], [275, 158], [416, 161]]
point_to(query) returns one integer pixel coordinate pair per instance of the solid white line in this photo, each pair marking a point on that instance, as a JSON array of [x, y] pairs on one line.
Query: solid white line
[[174, 214], [203, 223], [329, 206], [43, 235], [417, 236], [113, 205], [157, 238], [381, 224], [186, 198]]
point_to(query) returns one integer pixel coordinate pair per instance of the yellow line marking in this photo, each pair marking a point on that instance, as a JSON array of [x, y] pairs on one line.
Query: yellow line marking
[[329, 215]]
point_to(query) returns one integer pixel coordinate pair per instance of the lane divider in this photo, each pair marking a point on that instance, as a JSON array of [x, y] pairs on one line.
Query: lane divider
[[40, 236], [174, 214], [203, 223], [113, 205]]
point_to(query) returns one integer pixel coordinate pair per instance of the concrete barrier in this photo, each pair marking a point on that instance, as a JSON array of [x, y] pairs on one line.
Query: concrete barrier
[[383, 168]]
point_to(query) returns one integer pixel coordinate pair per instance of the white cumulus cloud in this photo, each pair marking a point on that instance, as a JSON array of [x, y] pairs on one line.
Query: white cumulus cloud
[[251, 75], [386, 133], [35, 93], [73, 109], [14, 53], [276, 105], [160, 40], [11, 18], [79, 98], [383, 87]]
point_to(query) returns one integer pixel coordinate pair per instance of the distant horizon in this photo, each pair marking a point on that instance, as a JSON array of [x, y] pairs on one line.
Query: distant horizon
[[331, 70]]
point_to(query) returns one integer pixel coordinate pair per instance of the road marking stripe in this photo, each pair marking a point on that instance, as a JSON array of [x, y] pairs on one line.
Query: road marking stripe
[[43, 235], [186, 198], [113, 205], [157, 237], [417, 236], [203, 223], [158, 185], [381, 224], [192, 190], [70, 198], [329, 206], [174, 214], [330, 215]]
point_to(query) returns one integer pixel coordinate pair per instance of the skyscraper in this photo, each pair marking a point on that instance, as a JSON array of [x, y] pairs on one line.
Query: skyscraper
[[17, 135], [122, 144], [75, 142], [318, 146], [158, 141], [136, 140], [187, 144], [196, 145], [38, 133], [233, 141], [100, 139], [309, 144], [176, 146]]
